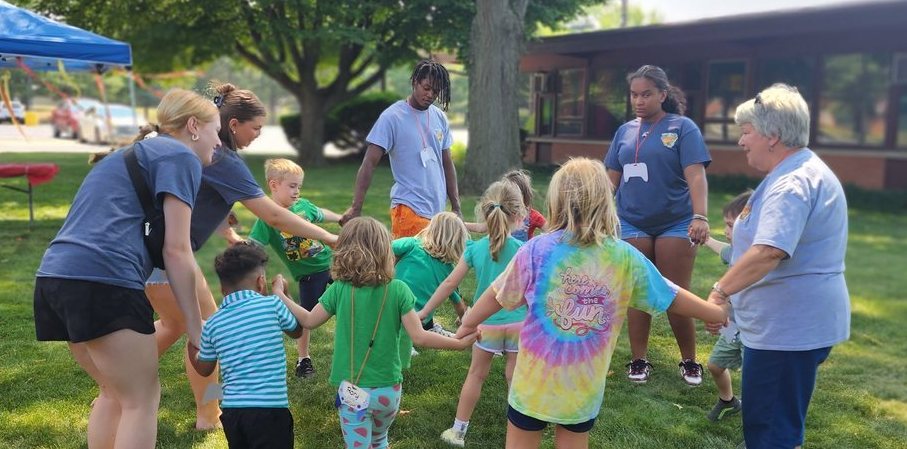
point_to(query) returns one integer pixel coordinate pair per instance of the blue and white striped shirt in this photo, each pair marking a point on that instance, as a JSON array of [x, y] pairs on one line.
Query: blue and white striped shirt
[[245, 336]]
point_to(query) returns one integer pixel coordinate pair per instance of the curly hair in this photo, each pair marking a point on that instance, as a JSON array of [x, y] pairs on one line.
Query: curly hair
[[363, 255]]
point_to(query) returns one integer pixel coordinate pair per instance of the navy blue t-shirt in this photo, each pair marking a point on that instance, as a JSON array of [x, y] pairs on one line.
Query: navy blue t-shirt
[[673, 144], [224, 182], [101, 238]]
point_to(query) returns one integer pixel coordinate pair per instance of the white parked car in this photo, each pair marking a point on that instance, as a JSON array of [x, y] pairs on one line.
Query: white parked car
[[18, 112], [94, 126]]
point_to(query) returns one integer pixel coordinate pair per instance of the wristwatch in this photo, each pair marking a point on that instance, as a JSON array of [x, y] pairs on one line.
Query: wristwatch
[[717, 289]]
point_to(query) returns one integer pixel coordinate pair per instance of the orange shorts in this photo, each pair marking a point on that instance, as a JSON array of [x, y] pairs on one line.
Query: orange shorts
[[405, 222]]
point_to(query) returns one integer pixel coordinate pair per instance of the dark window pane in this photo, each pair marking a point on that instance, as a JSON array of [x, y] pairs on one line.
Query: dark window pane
[[797, 72], [608, 102], [854, 99], [570, 98], [726, 89], [569, 127]]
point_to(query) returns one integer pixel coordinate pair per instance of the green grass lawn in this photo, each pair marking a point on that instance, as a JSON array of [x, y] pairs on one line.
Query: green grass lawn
[[860, 400]]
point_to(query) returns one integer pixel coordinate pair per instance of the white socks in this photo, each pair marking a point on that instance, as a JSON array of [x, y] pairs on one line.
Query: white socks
[[460, 426]]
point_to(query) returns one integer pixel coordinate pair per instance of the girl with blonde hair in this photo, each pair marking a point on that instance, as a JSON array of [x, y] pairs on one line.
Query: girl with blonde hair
[[372, 310], [89, 289], [577, 282], [423, 262], [501, 209]]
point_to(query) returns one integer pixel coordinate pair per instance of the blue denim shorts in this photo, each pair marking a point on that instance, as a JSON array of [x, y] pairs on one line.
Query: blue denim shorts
[[157, 277], [680, 229]]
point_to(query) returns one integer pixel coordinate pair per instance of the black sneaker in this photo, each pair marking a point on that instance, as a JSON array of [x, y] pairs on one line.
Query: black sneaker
[[691, 372], [304, 368], [638, 371], [722, 409]]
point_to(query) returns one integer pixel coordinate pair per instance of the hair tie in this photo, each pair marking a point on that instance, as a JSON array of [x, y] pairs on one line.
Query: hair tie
[[219, 101], [496, 205], [157, 128]]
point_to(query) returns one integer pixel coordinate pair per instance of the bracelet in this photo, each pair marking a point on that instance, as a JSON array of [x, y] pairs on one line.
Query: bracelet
[[717, 289], [700, 217]]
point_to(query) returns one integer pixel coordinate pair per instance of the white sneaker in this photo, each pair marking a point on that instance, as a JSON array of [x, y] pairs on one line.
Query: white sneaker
[[454, 438], [440, 330], [413, 352], [691, 372]]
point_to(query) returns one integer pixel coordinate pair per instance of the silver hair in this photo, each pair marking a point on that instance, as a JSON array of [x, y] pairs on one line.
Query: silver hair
[[778, 111]]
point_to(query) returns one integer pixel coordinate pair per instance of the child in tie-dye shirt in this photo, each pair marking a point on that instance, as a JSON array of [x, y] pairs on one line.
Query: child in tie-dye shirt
[[578, 282]]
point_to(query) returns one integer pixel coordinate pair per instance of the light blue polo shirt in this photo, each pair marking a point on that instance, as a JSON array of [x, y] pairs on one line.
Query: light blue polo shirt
[[403, 131], [246, 336], [802, 304], [666, 149]]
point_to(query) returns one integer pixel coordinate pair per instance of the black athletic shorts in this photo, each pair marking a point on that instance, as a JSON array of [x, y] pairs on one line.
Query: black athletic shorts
[[78, 311]]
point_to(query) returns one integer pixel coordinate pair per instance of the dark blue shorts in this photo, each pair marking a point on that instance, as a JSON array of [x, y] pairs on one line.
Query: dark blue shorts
[[311, 287], [531, 424], [777, 388]]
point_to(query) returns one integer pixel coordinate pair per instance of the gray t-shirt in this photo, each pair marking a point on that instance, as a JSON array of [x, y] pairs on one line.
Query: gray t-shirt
[[403, 132], [101, 238], [802, 304], [224, 182]]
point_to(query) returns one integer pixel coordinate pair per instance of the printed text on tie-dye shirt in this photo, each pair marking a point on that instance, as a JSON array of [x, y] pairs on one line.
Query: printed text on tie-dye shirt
[[585, 305]]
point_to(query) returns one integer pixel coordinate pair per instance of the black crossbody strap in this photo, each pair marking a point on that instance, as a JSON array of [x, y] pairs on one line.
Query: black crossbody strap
[[141, 187]]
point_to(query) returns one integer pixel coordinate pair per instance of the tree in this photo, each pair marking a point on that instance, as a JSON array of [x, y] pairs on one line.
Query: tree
[[496, 41], [322, 52]]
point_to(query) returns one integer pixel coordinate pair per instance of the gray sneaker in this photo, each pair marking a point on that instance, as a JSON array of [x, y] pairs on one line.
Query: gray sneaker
[[722, 409], [440, 330]]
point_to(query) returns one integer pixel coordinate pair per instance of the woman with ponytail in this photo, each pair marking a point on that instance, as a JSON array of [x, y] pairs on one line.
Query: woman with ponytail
[[224, 183], [657, 164], [502, 211], [89, 287]]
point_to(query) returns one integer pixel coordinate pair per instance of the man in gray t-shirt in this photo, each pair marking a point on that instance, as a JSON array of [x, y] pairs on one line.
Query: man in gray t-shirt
[[415, 135]]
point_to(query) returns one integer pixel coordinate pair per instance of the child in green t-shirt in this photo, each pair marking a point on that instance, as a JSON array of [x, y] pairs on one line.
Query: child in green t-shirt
[[423, 262], [309, 261], [372, 308]]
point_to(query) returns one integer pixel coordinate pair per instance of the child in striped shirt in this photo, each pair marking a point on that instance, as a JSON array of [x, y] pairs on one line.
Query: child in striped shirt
[[244, 335]]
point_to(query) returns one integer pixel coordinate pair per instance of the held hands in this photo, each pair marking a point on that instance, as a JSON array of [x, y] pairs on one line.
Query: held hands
[[279, 285], [698, 232], [718, 300], [468, 340]]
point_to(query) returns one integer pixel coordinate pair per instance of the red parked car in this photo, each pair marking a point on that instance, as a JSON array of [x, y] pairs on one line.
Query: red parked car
[[65, 117]]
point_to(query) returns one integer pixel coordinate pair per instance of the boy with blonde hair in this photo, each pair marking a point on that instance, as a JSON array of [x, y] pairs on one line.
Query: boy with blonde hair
[[309, 261]]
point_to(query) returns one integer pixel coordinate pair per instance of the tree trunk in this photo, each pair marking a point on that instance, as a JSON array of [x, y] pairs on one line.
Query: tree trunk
[[310, 146], [496, 42]]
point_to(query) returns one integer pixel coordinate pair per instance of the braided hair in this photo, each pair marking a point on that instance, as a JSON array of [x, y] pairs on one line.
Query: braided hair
[[437, 76]]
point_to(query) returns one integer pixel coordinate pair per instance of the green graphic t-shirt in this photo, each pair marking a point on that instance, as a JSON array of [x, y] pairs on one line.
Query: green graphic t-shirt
[[301, 256]]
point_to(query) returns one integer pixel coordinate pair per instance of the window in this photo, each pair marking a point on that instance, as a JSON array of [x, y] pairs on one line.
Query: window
[[796, 72], [854, 99], [607, 102], [571, 103], [726, 89]]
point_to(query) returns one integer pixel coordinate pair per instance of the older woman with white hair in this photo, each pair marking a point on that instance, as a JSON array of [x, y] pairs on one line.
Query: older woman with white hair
[[786, 283]]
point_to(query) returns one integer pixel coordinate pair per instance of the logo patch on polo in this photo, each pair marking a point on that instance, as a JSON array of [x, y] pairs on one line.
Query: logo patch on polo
[[669, 139]]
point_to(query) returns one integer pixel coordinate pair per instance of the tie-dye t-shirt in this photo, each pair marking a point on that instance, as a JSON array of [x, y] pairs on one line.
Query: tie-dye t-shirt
[[578, 299]]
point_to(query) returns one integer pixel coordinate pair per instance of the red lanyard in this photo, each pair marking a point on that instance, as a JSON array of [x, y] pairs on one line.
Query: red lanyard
[[646, 137], [419, 124]]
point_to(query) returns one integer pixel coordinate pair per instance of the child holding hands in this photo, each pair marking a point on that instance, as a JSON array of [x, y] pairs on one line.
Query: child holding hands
[[502, 210], [371, 308], [578, 282], [727, 354], [308, 260], [245, 336]]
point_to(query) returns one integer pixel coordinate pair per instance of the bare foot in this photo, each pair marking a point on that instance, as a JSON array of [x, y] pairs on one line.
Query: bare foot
[[204, 426]]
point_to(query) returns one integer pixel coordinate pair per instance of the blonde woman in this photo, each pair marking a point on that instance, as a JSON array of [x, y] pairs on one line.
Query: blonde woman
[[578, 281], [89, 289], [424, 261]]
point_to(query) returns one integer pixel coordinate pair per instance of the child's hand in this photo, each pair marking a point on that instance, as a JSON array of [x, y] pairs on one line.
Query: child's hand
[[423, 315], [459, 320], [331, 242], [279, 285], [463, 331], [467, 341]]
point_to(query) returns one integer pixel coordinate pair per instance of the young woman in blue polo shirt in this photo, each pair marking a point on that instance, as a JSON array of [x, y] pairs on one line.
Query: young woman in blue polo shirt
[[657, 161]]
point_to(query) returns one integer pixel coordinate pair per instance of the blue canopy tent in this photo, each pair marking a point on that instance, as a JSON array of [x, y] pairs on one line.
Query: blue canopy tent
[[42, 44]]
